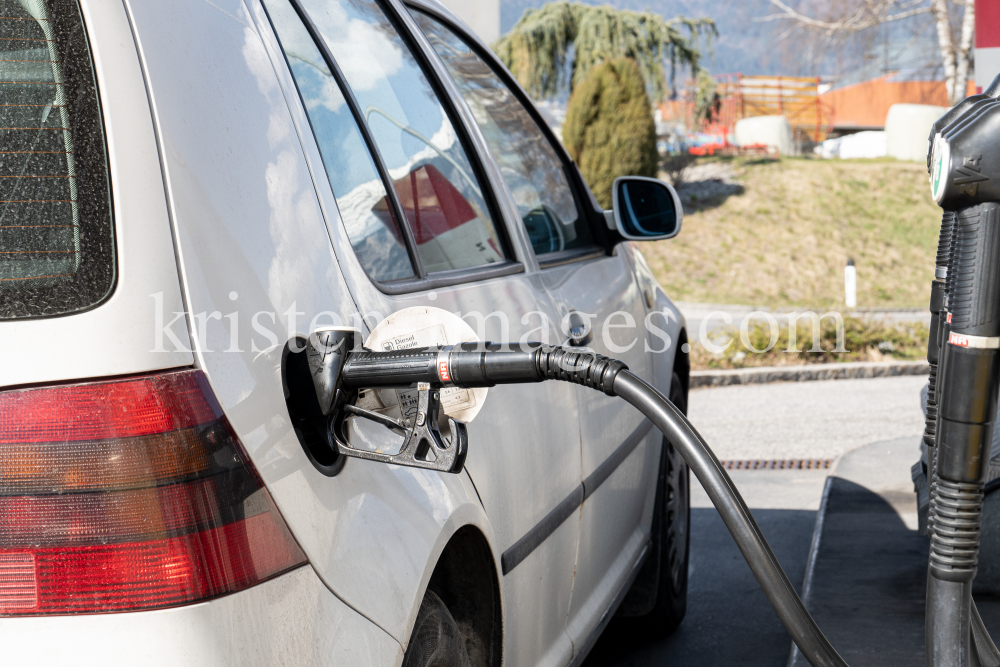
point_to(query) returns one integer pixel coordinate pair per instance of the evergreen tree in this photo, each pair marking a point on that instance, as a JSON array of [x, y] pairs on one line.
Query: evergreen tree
[[609, 129]]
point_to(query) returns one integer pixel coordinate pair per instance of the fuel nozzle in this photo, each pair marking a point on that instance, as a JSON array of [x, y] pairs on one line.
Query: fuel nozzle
[[430, 439], [326, 351]]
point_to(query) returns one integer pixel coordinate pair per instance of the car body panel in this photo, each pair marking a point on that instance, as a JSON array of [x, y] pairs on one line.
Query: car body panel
[[670, 325], [238, 181], [117, 337], [523, 468], [620, 511], [290, 620], [615, 519]]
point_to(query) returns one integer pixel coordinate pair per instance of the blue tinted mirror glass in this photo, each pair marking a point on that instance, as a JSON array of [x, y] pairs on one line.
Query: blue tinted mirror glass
[[646, 208]]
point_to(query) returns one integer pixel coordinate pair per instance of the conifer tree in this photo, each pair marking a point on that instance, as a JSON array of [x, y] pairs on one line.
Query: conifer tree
[[609, 129]]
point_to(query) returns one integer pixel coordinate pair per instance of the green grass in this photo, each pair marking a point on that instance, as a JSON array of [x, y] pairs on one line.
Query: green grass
[[785, 240]]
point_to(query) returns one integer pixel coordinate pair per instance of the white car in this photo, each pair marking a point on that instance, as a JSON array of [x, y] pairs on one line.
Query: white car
[[192, 186]]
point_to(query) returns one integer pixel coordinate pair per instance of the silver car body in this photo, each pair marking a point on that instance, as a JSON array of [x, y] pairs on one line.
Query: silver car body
[[222, 210]]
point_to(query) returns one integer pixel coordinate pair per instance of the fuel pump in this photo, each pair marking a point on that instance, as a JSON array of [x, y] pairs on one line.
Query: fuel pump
[[939, 324], [963, 350]]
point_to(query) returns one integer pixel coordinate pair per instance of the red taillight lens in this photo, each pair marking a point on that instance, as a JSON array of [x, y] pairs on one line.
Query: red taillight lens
[[126, 495]]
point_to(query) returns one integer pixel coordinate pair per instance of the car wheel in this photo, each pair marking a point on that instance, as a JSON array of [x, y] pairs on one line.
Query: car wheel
[[671, 596], [436, 640]]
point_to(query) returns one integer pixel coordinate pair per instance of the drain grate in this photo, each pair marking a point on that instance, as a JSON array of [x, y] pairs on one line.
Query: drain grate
[[787, 464]]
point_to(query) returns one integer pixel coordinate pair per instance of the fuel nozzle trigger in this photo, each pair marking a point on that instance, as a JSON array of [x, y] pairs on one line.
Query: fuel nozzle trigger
[[424, 445]]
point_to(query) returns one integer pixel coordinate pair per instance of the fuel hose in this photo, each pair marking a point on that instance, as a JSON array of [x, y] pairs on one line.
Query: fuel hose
[[486, 364], [727, 500]]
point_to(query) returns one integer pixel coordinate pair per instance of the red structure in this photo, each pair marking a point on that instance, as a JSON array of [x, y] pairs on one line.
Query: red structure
[[987, 42]]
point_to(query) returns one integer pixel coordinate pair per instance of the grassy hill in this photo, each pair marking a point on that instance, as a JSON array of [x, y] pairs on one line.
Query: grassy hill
[[783, 231]]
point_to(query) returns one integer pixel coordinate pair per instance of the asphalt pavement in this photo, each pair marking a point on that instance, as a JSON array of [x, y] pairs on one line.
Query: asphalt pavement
[[729, 621], [800, 420]]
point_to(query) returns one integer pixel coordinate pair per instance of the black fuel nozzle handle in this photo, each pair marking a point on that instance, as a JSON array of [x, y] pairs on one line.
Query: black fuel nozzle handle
[[965, 160], [424, 443], [471, 365]]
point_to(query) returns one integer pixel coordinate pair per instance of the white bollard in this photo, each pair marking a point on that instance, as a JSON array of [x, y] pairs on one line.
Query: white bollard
[[850, 285]]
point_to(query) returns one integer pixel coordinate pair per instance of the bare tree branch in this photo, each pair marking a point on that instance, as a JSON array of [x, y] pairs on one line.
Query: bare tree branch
[[868, 16], [862, 15]]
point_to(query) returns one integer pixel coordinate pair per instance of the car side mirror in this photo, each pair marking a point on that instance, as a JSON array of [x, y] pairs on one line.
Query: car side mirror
[[644, 209]]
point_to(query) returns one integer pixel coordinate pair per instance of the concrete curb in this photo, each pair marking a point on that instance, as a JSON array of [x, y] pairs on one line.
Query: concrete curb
[[807, 373]]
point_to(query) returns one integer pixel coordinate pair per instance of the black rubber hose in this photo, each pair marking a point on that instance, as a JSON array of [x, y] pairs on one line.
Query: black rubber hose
[[727, 500]]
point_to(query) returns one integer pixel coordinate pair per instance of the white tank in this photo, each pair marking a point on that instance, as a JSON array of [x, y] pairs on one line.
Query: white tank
[[868, 144], [906, 129], [772, 131]]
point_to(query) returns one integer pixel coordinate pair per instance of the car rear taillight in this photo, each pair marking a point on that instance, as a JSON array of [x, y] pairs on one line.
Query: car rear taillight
[[129, 494]]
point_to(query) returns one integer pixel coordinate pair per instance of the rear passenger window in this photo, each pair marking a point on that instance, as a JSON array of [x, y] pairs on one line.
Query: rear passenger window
[[56, 235], [432, 177], [360, 193], [533, 171]]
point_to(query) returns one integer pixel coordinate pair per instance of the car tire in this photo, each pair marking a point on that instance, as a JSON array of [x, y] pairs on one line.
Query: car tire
[[436, 640], [675, 534]]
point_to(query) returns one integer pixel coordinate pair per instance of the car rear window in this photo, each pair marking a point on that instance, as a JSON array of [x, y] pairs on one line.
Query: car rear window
[[56, 233]]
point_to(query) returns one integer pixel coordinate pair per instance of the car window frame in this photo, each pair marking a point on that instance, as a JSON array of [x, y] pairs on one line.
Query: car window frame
[[589, 210], [422, 280]]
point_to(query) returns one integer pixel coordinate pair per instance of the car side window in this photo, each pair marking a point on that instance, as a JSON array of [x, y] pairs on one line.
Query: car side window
[[530, 165], [435, 181], [360, 192]]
